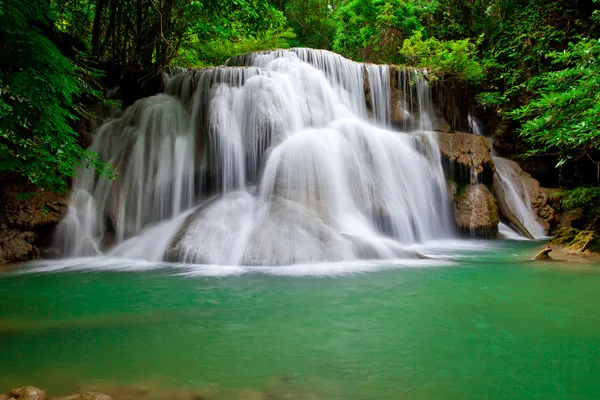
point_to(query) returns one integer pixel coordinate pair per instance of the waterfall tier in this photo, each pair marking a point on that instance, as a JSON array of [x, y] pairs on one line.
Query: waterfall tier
[[279, 157]]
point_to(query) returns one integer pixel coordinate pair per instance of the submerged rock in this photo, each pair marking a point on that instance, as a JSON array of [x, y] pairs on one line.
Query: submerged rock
[[544, 254], [466, 158], [27, 393], [89, 396], [476, 211]]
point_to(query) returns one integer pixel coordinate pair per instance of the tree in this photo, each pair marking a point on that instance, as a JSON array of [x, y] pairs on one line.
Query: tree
[[39, 90]]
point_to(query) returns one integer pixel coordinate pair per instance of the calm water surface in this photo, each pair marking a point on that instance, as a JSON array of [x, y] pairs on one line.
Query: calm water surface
[[486, 326]]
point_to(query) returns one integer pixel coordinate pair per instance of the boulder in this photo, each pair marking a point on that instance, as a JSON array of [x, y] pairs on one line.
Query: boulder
[[26, 221], [585, 242], [476, 211], [544, 254], [27, 393], [16, 245], [539, 202], [466, 158], [505, 209], [581, 242]]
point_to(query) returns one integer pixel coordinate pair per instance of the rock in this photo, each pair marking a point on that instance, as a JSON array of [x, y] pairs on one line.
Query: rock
[[466, 158], [476, 211], [544, 254], [27, 393], [570, 219], [36, 210], [539, 202], [249, 394], [16, 245], [89, 396], [500, 195], [529, 188], [581, 242], [564, 236], [25, 222], [452, 189], [50, 253], [585, 242]]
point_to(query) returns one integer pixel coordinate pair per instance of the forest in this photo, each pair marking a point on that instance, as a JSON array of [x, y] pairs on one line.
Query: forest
[[530, 66]]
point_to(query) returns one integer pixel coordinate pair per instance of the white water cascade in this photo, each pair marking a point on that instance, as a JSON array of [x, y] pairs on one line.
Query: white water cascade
[[270, 160], [514, 189]]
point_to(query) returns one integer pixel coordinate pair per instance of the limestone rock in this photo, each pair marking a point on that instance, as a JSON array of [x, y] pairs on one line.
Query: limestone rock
[[27, 393], [585, 242], [544, 254], [16, 245], [89, 396], [505, 209], [466, 158], [476, 211], [26, 221], [39, 209], [564, 236]]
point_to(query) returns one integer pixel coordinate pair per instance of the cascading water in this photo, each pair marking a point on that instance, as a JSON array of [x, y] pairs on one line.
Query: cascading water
[[514, 189], [277, 151]]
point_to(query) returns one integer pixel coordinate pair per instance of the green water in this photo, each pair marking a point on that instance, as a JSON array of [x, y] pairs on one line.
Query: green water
[[486, 327]]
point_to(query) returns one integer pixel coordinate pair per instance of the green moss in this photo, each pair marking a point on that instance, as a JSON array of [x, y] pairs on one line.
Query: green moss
[[462, 189], [564, 236], [585, 240], [493, 211]]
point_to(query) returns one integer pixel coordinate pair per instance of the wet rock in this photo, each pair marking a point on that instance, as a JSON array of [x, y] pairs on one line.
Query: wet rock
[[50, 253], [544, 254], [564, 236], [27, 221], [250, 394], [27, 393], [500, 195], [16, 245], [538, 198], [466, 158], [585, 242], [581, 242], [476, 211], [89, 396]]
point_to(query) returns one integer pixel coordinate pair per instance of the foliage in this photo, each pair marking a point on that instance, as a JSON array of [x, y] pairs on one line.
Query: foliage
[[149, 34], [451, 57], [312, 21], [586, 198], [564, 113], [371, 30], [39, 89], [216, 52]]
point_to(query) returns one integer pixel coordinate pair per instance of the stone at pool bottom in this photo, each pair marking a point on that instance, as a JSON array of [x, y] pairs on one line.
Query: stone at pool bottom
[[25, 393], [87, 396]]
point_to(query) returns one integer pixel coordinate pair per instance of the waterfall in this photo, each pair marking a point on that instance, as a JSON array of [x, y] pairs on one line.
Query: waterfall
[[514, 189], [269, 160]]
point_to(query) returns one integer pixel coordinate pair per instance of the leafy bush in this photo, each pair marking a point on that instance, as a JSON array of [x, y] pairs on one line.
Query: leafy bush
[[586, 198], [370, 30], [216, 52], [452, 57], [564, 114], [39, 89]]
